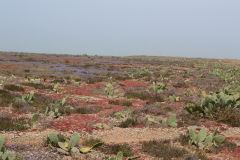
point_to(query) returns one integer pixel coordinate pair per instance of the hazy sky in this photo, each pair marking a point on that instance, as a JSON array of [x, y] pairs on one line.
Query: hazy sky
[[190, 28]]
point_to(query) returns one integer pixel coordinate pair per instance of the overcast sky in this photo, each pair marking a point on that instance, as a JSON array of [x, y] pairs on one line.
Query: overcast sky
[[188, 28]]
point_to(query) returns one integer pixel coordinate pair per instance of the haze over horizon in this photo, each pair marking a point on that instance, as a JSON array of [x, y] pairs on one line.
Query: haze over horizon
[[207, 29]]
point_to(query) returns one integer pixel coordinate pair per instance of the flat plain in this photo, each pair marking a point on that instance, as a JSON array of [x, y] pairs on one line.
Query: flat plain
[[95, 107]]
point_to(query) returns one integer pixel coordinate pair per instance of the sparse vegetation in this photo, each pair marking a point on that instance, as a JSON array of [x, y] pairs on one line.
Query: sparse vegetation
[[118, 107]]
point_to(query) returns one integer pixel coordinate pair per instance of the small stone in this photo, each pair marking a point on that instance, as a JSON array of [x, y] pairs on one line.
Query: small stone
[[61, 151], [51, 114], [20, 134], [37, 81], [75, 152]]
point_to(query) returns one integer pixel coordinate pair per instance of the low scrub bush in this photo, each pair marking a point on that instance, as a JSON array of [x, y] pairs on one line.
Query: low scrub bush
[[163, 149], [12, 87], [9, 124], [122, 103], [115, 148], [229, 116], [87, 110], [6, 98], [37, 85]]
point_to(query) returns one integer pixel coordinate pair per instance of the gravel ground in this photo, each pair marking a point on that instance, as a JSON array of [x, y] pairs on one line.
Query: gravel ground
[[129, 135]]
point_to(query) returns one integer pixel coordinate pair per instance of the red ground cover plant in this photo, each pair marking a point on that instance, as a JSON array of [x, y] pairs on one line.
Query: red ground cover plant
[[235, 154]]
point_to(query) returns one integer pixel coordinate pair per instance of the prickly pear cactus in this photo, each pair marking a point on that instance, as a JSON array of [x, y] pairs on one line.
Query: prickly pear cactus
[[120, 156], [64, 145], [172, 120], [1, 141], [53, 137], [73, 141], [219, 139], [202, 139]]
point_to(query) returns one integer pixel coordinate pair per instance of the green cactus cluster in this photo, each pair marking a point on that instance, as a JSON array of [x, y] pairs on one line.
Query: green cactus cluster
[[55, 108], [211, 104], [67, 144], [143, 71], [4, 153], [58, 140], [110, 88], [228, 76], [35, 118], [202, 139], [28, 98], [173, 99], [170, 121], [127, 113], [157, 87]]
